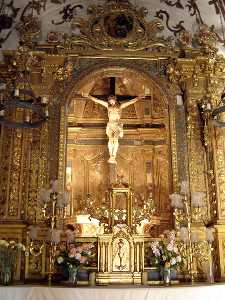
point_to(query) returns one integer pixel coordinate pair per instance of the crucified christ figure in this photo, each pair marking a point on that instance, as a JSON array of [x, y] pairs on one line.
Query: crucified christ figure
[[114, 129]]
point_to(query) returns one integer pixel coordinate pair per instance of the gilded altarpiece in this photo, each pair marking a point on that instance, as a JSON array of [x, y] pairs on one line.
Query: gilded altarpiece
[[165, 141]]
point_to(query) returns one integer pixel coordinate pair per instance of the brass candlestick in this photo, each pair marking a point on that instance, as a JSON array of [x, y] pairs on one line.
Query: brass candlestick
[[53, 210]]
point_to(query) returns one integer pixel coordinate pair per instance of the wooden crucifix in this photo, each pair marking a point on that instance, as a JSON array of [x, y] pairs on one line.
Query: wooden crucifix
[[114, 129]]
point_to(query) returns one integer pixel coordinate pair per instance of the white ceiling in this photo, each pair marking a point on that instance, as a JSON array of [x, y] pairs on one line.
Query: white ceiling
[[208, 14]]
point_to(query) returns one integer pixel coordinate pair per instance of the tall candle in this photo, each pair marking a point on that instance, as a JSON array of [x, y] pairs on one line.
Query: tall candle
[[44, 99], [16, 92]]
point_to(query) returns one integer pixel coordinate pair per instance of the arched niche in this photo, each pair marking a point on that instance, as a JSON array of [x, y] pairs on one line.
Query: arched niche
[[160, 112]]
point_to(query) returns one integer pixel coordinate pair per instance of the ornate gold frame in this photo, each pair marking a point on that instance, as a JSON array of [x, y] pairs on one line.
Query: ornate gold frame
[[62, 71]]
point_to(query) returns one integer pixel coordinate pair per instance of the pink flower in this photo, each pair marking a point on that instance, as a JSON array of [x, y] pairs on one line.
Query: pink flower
[[71, 246], [170, 247], [79, 249], [72, 252], [83, 259], [171, 235], [88, 246]]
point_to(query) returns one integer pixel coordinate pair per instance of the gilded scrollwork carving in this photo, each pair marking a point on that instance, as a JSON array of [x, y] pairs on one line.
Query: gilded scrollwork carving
[[207, 39], [64, 72], [195, 152], [32, 206], [173, 72], [184, 39], [104, 30], [5, 171], [14, 182]]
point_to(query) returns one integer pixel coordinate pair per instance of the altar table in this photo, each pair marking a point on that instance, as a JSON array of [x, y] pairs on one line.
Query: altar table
[[203, 292]]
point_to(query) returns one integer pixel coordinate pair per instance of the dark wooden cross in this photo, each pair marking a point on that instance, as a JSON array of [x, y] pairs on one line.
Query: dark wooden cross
[[112, 91]]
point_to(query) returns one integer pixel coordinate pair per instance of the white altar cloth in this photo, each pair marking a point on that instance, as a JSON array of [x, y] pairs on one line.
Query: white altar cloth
[[207, 292]]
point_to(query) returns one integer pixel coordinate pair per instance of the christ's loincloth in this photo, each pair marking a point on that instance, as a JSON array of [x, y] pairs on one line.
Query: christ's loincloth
[[114, 130]]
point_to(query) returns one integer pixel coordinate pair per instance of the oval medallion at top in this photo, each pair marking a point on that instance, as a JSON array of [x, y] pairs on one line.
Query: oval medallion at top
[[119, 26]]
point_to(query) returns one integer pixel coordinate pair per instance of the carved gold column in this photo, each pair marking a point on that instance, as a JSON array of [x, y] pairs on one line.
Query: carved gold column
[[220, 172], [219, 161], [213, 139], [17, 169], [196, 151], [4, 168]]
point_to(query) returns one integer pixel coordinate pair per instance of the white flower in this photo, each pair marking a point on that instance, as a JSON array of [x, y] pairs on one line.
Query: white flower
[[178, 258], [20, 246], [173, 261], [155, 249], [60, 259], [155, 244], [156, 252], [78, 256], [4, 243], [169, 247], [172, 235]]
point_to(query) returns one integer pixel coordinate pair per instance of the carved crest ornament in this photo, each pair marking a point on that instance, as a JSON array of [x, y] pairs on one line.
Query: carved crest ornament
[[117, 24]]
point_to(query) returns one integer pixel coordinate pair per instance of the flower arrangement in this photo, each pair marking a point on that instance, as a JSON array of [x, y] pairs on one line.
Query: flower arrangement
[[166, 252], [8, 251], [74, 257], [8, 256]]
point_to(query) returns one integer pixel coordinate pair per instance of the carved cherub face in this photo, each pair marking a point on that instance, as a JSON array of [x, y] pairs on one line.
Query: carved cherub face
[[112, 100]]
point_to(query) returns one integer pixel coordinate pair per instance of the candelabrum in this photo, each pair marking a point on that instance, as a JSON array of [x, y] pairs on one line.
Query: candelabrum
[[140, 212], [32, 237], [187, 208], [35, 248], [145, 211], [54, 209]]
